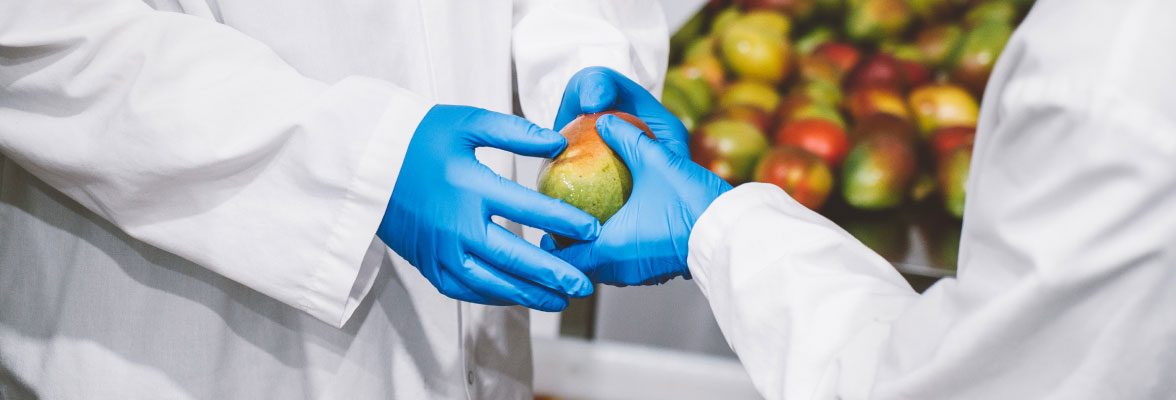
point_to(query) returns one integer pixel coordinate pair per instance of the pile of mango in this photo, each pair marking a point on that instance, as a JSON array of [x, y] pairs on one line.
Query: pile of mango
[[874, 100]]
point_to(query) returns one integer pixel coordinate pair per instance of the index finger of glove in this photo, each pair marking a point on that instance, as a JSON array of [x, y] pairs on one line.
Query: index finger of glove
[[516, 135]]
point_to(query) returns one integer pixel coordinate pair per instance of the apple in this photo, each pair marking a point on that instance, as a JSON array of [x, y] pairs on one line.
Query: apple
[[754, 53], [939, 43], [942, 105], [981, 47], [820, 137], [801, 174], [876, 100], [588, 174], [877, 172], [729, 148], [872, 21], [879, 70], [750, 93]]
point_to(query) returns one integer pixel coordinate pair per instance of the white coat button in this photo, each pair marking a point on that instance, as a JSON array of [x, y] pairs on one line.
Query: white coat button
[[470, 377]]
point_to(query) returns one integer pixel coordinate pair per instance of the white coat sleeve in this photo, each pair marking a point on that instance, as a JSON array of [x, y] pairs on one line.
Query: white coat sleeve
[[196, 139], [1066, 262], [554, 39]]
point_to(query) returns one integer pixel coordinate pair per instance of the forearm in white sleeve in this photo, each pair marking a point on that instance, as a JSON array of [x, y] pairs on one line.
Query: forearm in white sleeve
[[1065, 275], [792, 291], [193, 137], [554, 39]]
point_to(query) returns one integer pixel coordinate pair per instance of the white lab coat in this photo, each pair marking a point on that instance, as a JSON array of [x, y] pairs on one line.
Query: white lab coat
[[189, 189], [1068, 256]]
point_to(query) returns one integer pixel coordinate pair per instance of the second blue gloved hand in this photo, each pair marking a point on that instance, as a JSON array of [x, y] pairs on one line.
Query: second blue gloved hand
[[596, 89], [439, 215], [646, 241]]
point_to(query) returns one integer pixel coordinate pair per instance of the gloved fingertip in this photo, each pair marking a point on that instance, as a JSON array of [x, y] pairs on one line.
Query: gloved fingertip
[[584, 289], [547, 243], [597, 92]]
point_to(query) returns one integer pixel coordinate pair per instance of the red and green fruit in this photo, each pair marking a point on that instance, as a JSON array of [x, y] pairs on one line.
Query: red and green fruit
[[939, 43], [947, 139], [797, 107], [752, 115], [754, 53], [801, 174], [820, 137], [977, 56], [879, 70], [953, 176], [675, 101], [844, 56], [729, 148], [884, 124], [588, 174], [874, 21], [750, 93], [878, 172], [876, 100]]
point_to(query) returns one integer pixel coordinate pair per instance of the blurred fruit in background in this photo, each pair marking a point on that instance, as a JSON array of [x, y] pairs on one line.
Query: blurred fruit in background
[[878, 172], [819, 137], [881, 95], [943, 105], [877, 20], [978, 53], [803, 175], [750, 93], [728, 147], [953, 174]]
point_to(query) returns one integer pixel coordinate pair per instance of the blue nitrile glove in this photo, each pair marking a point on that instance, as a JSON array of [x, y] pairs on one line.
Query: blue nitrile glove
[[439, 215], [596, 89], [646, 241]]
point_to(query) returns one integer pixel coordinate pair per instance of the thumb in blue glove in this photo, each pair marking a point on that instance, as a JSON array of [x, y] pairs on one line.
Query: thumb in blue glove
[[439, 215], [646, 241]]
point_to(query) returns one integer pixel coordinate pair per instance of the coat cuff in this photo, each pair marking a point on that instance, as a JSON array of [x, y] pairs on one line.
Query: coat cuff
[[713, 226], [353, 255]]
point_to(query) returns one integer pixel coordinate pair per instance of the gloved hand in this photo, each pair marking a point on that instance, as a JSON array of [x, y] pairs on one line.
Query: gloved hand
[[439, 215], [646, 241], [596, 89]]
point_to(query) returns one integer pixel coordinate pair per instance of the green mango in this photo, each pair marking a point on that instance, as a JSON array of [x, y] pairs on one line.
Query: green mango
[[1000, 11], [813, 39], [940, 43], [977, 56], [696, 89], [750, 93], [729, 148], [754, 53], [675, 101], [953, 174], [723, 19], [877, 172], [873, 21]]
